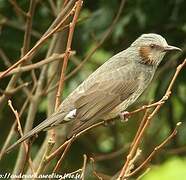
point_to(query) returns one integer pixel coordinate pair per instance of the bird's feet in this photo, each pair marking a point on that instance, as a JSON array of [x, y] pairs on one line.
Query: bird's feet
[[124, 116]]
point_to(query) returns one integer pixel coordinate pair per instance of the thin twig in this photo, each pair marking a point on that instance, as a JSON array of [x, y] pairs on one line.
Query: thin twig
[[109, 156], [136, 143], [59, 149], [144, 107], [39, 64], [67, 52], [18, 10], [66, 17], [22, 157], [94, 169], [5, 58], [177, 151], [142, 123], [45, 37], [155, 151], [77, 9], [105, 36], [53, 7], [144, 173], [84, 167], [28, 29], [12, 132], [21, 132], [47, 152], [56, 168], [14, 90]]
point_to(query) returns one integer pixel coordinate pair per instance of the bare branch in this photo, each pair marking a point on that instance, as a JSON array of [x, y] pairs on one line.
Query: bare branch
[[63, 155], [21, 132], [105, 36], [155, 151], [39, 64], [67, 52], [147, 121], [18, 10], [84, 167], [45, 37], [43, 161]]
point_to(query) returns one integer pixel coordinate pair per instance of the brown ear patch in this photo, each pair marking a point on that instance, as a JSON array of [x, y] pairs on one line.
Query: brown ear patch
[[144, 52]]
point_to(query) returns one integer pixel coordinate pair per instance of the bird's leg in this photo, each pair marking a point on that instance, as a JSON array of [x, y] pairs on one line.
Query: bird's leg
[[124, 116]]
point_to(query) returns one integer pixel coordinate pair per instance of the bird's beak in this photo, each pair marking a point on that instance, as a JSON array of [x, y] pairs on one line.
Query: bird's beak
[[171, 48]]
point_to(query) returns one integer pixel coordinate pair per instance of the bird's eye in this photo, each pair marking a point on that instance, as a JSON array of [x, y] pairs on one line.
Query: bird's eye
[[152, 46]]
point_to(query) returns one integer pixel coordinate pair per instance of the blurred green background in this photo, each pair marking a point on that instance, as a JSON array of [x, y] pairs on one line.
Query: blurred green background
[[109, 145]]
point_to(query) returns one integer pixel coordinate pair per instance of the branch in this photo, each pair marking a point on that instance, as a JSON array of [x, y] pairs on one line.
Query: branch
[[105, 36], [94, 169], [21, 132], [155, 151], [56, 168], [12, 130], [18, 10], [5, 58], [45, 37], [84, 167], [43, 161], [22, 157], [17, 26], [165, 97], [39, 64], [28, 29], [67, 52], [147, 120], [14, 90], [75, 10]]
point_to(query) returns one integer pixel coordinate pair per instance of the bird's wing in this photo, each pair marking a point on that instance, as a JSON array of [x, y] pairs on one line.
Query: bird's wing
[[101, 98]]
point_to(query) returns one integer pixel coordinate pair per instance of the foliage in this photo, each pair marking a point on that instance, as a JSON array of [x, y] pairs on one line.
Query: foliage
[[174, 168]]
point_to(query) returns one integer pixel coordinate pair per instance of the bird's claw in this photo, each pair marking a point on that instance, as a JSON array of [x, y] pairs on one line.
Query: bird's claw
[[124, 116]]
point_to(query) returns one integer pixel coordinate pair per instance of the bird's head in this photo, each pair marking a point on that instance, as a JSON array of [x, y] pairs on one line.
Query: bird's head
[[151, 48]]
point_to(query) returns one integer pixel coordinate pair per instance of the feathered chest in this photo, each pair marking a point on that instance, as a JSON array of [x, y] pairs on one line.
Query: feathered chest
[[143, 81]]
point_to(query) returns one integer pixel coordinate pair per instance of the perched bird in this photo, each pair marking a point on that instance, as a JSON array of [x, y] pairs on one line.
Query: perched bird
[[111, 88]]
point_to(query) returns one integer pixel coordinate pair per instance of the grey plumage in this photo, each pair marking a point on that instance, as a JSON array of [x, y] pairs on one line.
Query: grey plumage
[[111, 88]]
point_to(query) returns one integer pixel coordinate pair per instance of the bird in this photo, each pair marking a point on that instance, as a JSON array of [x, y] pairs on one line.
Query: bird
[[109, 90]]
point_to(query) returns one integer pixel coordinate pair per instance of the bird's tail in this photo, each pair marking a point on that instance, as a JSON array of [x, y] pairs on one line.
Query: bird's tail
[[46, 124]]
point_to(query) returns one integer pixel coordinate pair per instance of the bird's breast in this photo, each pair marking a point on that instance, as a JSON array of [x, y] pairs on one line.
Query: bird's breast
[[144, 80], [122, 106]]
